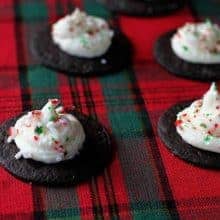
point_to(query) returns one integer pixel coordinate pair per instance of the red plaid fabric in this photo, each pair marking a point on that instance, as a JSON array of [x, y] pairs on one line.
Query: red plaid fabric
[[144, 180]]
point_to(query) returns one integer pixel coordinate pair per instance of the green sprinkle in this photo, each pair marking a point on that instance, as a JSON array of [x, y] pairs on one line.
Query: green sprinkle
[[53, 118], [208, 21], [83, 41], [39, 130], [49, 108], [207, 139], [185, 48], [203, 125], [67, 139], [208, 114]]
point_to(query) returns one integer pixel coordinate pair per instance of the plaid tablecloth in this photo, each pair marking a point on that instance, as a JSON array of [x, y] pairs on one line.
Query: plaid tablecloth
[[144, 181]]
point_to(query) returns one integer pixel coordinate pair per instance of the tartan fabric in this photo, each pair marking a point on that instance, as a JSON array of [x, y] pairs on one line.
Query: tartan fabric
[[144, 181]]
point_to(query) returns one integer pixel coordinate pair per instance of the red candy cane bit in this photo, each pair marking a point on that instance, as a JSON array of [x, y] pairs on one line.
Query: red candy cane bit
[[36, 138], [11, 131], [63, 122], [91, 33], [178, 122], [59, 149], [215, 125], [178, 35], [54, 101], [61, 110], [56, 142], [36, 113]]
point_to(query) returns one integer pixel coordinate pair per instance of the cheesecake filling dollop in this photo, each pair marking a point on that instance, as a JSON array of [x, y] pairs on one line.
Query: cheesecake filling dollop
[[81, 35], [197, 43], [199, 124], [48, 135]]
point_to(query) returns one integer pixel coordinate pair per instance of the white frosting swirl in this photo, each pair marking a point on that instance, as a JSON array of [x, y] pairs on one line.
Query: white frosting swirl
[[48, 135], [81, 35], [199, 124], [197, 43]]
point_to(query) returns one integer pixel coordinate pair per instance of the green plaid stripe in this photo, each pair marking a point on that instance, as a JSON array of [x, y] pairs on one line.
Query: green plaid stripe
[[129, 129], [206, 8], [44, 88], [31, 11], [96, 9]]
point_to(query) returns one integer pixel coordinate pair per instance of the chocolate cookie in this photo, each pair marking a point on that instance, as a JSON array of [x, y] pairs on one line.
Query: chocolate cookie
[[144, 7], [94, 156], [115, 59], [166, 57], [174, 142]]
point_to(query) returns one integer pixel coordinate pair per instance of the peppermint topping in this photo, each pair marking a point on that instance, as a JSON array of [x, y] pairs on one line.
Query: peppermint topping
[[197, 42], [82, 35], [50, 136], [201, 122]]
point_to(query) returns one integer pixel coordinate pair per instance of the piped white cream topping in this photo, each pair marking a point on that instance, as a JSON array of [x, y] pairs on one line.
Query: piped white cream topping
[[199, 124], [48, 135], [81, 35], [197, 43]]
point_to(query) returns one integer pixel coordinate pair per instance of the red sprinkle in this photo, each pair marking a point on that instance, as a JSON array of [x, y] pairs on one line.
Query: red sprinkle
[[10, 131], [178, 122], [91, 33], [184, 115], [216, 125], [54, 101], [36, 138], [178, 35], [59, 149], [56, 142], [36, 113], [62, 111], [217, 107]]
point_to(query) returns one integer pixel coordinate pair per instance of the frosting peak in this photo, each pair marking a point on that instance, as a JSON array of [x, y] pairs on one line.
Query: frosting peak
[[199, 124], [82, 35], [48, 135], [197, 42]]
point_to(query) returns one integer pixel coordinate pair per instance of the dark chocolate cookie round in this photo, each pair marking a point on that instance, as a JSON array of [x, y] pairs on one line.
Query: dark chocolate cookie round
[[94, 156], [166, 57], [174, 142], [144, 7], [115, 59]]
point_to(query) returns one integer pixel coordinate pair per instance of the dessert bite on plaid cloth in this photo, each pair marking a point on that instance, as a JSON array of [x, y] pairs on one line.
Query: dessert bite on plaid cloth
[[54, 147], [80, 44], [191, 51]]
